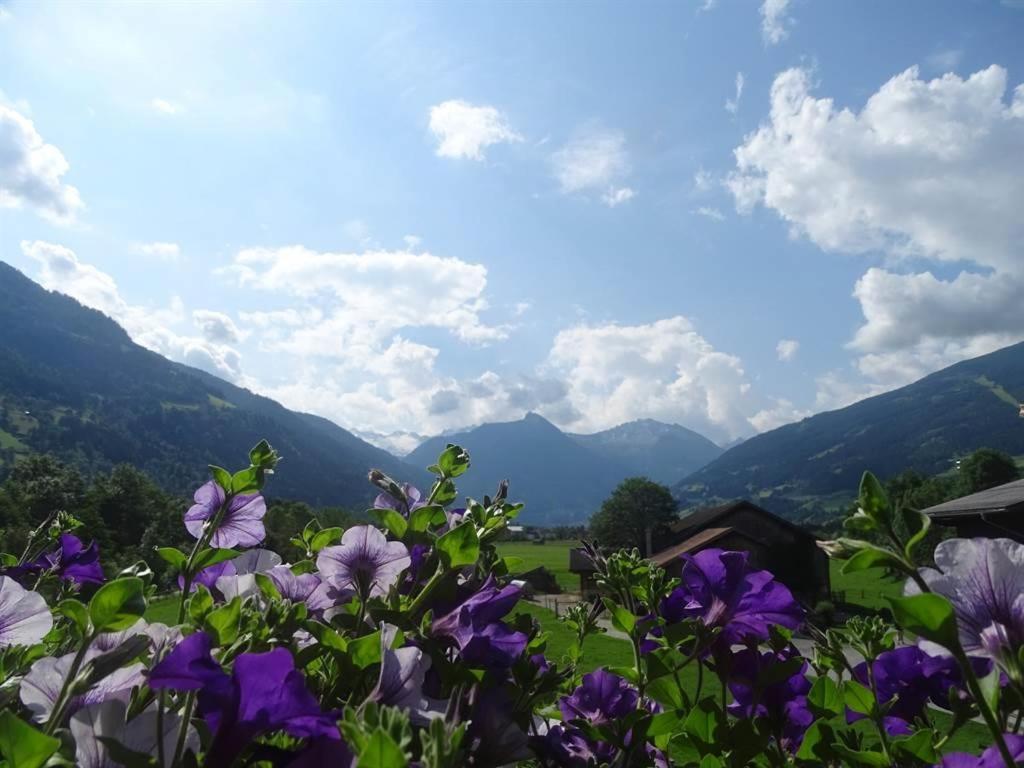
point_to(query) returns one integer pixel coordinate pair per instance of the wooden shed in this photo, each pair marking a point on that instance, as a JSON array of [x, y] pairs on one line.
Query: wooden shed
[[997, 513]]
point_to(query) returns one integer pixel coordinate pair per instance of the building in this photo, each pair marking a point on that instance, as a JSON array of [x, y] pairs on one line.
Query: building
[[774, 544], [995, 513]]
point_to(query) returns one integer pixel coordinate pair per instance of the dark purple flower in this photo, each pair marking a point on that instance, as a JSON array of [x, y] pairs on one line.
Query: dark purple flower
[[540, 663], [264, 693], [476, 628], [990, 758], [412, 494], [719, 589], [242, 524], [984, 580], [209, 575], [601, 698], [495, 738], [297, 587], [365, 562], [400, 683], [323, 751], [73, 561], [567, 747], [782, 702]]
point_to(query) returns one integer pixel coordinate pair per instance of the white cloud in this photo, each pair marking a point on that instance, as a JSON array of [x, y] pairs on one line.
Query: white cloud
[[703, 180], [161, 251], [732, 105], [412, 242], [614, 197], [774, 21], [520, 308], [165, 107], [663, 370], [594, 161], [217, 327], [781, 413], [31, 171], [945, 60], [465, 131], [709, 212], [928, 170], [61, 270], [786, 349]]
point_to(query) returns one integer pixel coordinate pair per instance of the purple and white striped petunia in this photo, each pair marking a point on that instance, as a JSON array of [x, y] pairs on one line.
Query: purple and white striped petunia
[[413, 500], [41, 687], [365, 562], [24, 616], [984, 580], [108, 720], [242, 524]]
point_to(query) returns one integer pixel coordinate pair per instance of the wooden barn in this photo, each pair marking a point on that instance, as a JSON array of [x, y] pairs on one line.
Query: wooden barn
[[997, 513], [774, 544]]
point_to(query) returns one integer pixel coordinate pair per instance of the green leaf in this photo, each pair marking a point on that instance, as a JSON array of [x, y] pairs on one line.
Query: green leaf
[[920, 746], [176, 558], [990, 688], [816, 742], [874, 501], [460, 546], [324, 538], [622, 619], [22, 745], [200, 604], [928, 615], [426, 517], [917, 524], [453, 461], [382, 752], [245, 481], [873, 759], [873, 557], [393, 521], [444, 492], [263, 456], [222, 477], [223, 622], [858, 698], [209, 557], [117, 605], [76, 611], [667, 692], [825, 698], [267, 586], [668, 722], [365, 650], [705, 723]]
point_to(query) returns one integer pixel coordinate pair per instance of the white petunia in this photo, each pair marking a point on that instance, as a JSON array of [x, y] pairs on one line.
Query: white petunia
[[107, 720], [25, 618]]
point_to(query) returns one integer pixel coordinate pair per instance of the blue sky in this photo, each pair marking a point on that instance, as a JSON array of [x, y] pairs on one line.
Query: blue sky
[[411, 218]]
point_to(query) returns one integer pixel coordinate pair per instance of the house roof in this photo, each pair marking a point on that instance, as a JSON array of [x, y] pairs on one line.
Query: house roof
[[704, 517], [1002, 498], [698, 541]]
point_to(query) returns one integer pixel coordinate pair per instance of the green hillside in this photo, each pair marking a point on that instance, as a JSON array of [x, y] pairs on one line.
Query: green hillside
[[72, 383], [812, 467]]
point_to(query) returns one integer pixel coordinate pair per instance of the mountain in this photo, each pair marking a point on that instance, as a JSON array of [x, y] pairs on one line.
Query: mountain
[[663, 452], [813, 467], [559, 480], [72, 383]]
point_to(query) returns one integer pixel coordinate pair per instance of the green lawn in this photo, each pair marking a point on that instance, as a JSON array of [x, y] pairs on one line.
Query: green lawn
[[163, 610], [553, 555], [865, 588]]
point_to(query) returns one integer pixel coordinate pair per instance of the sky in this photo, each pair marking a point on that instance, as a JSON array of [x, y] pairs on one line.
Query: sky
[[412, 218]]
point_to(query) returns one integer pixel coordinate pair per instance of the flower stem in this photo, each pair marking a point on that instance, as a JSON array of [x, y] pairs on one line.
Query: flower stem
[[876, 714], [986, 711], [427, 590], [186, 717], [201, 544], [61, 704]]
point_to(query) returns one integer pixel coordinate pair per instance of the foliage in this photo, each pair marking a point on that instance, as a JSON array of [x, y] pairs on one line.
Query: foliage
[[986, 468], [402, 643], [637, 509]]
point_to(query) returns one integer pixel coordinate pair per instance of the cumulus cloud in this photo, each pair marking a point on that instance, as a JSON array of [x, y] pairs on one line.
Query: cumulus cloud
[[31, 171], [61, 270], [786, 349], [781, 413], [709, 212], [165, 107], [732, 105], [595, 161], [464, 130], [775, 21], [217, 327], [663, 370], [161, 251], [928, 170]]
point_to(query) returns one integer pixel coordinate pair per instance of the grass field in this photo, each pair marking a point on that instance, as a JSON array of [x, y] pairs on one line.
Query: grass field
[[163, 610], [553, 555], [865, 588]]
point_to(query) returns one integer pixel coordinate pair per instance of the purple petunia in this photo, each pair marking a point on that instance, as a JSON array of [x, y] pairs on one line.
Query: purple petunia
[[400, 683], [413, 500], [984, 580], [990, 758], [475, 626], [73, 561], [719, 589], [601, 698], [25, 618], [264, 693], [242, 524], [365, 562], [757, 695]]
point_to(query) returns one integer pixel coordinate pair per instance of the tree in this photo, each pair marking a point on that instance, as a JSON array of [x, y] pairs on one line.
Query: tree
[[636, 506], [986, 468]]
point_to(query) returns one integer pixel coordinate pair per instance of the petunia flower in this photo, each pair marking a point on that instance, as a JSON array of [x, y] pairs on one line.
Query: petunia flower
[[365, 562], [782, 702], [264, 693], [41, 687], [720, 589], [96, 722], [601, 698], [475, 626], [990, 758], [25, 618], [74, 562], [241, 581], [984, 580], [413, 500], [297, 587], [400, 683], [242, 524]]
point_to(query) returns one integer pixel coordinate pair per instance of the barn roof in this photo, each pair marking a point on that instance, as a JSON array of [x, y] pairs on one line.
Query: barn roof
[[702, 518], [698, 541], [1002, 498]]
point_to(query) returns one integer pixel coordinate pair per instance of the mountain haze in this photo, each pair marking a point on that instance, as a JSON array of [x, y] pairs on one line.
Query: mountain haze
[[807, 468], [72, 383]]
